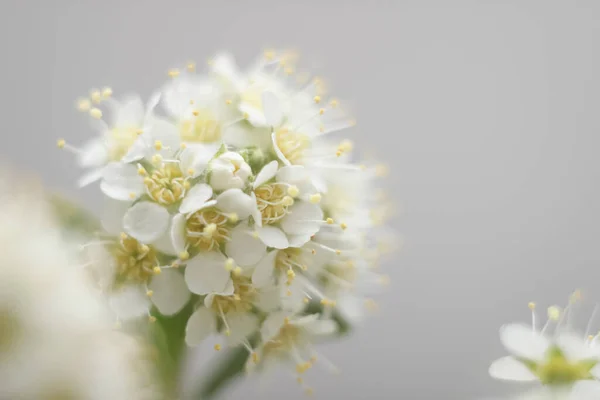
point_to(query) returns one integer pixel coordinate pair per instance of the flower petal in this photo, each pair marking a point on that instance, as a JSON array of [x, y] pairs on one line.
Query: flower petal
[[509, 368], [206, 273], [244, 247], [170, 291], [523, 342], [112, 215], [159, 129], [138, 150], [264, 270], [146, 221], [241, 325], [93, 154], [266, 173], [201, 324], [121, 181], [273, 237], [90, 177], [236, 201], [177, 232], [585, 390], [303, 219], [322, 327], [130, 302], [278, 151], [196, 198], [255, 212], [271, 326], [272, 109], [292, 174], [130, 111], [298, 240], [574, 347]]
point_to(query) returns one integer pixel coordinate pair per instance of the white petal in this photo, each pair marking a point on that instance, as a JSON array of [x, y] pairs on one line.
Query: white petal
[[509, 368], [164, 131], [254, 116], [152, 103], [268, 299], [170, 291], [574, 347], [130, 302], [272, 109], [298, 240], [324, 327], [130, 112], [164, 244], [273, 237], [303, 219], [243, 247], [201, 324], [271, 326], [196, 157], [264, 270], [90, 177], [206, 274], [278, 151], [93, 154], [112, 215], [523, 342], [178, 232], [224, 66], [121, 181], [292, 174], [255, 212], [585, 390], [236, 201], [196, 198], [146, 221], [138, 150], [241, 325], [266, 173]]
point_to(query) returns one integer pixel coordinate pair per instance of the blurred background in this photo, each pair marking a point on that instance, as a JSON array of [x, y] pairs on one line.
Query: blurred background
[[485, 111]]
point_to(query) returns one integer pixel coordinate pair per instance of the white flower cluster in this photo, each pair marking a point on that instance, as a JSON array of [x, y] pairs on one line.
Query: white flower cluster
[[229, 191], [566, 363], [56, 336]]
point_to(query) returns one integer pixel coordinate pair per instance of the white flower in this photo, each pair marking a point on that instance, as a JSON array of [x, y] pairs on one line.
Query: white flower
[[56, 339], [228, 171], [561, 362]]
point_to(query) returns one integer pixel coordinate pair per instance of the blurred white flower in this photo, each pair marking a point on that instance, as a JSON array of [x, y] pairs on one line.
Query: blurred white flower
[[57, 338]]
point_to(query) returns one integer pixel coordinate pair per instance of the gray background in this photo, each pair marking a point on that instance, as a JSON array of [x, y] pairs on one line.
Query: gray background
[[487, 112]]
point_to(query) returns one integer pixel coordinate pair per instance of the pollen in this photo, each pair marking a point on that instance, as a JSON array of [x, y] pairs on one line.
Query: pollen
[[293, 191], [173, 73], [60, 143], [96, 113], [227, 332], [554, 313], [269, 54], [531, 306], [156, 270], [217, 347], [255, 357], [149, 293], [184, 255], [96, 97], [228, 102], [158, 145], [83, 105], [142, 171], [343, 226], [229, 264], [321, 111], [132, 195], [329, 221], [233, 218], [107, 92], [152, 319], [317, 99], [191, 66], [315, 198], [237, 271]]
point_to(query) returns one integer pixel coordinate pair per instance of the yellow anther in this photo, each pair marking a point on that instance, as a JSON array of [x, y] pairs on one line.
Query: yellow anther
[[255, 357], [309, 391], [291, 274], [96, 113], [157, 159], [173, 73], [299, 380], [591, 337], [554, 313], [255, 235], [343, 226], [233, 218], [60, 143], [313, 252], [84, 105], [190, 171], [269, 54], [183, 145], [325, 302], [187, 185], [321, 128], [293, 191], [317, 99], [191, 66], [315, 198], [157, 270], [144, 248], [148, 180], [346, 145], [96, 97], [142, 171], [152, 319], [306, 300], [195, 113], [237, 271], [229, 264], [531, 306], [289, 70], [184, 255], [149, 293], [228, 102], [158, 145], [107, 92], [329, 221], [288, 201], [286, 320], [304, 268], [132, 195], [217, 347], [139, 131], [321, 111], [363, 167], [227, 332], [334, 103], [338, 153], [175, 264], [245, 115], [288, 293], [123, 236]]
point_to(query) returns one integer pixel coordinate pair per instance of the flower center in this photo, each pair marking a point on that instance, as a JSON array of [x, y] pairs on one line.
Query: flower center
[[287, 260], [283, 342], [202, 127], [121, 140], [557, 370], [273, 202], [207, 229], [135, 261], [167, 185], [292, 144], [240, 301]]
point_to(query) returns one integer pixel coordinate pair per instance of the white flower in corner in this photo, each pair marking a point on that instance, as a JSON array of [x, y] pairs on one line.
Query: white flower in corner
[[565, 363], [229, 171]]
